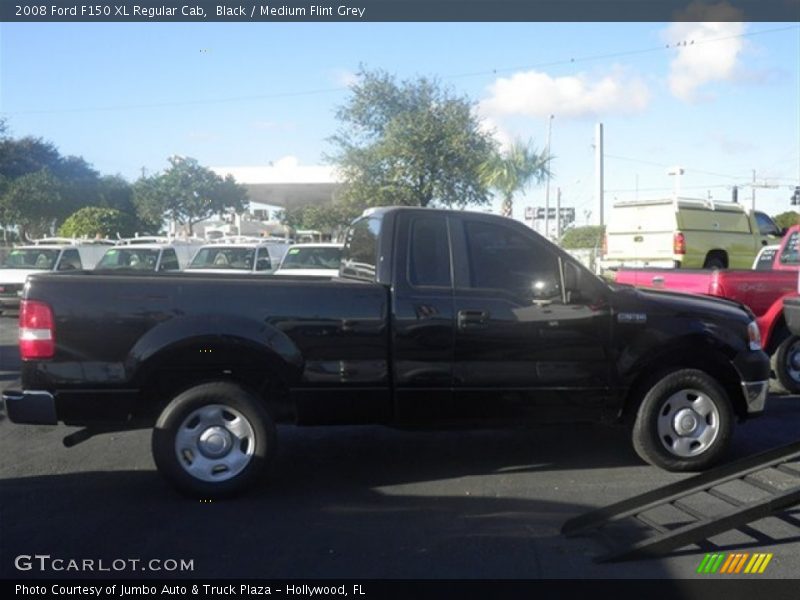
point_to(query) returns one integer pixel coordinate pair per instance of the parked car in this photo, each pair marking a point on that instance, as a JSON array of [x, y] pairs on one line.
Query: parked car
[[315, 260], [774, 276], [149, 254], [437, 317], [242, 257], [47, 254], [765, 258], [685, 233]]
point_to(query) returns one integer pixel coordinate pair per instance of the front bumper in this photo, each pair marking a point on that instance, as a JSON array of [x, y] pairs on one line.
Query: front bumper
[[10, 302], [36, 408]]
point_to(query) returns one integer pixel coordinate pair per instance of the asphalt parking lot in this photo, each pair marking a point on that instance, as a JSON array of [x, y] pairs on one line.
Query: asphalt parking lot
[[354, 502]]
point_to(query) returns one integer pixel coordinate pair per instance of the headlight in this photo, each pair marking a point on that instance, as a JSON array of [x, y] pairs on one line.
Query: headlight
[[754, 336]]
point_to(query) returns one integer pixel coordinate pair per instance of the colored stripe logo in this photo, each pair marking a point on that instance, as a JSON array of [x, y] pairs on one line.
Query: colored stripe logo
[[734, 563]]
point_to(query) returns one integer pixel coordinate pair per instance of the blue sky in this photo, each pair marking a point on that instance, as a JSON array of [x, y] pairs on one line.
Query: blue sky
[[125, 96]]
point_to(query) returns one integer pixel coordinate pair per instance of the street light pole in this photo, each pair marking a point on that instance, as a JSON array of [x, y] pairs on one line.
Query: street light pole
[[676, 191], [547, 184]]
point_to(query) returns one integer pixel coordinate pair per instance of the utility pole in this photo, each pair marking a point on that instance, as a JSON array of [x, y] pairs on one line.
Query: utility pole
[[547, 185], [598, 170], [755, 185], [558, 213]]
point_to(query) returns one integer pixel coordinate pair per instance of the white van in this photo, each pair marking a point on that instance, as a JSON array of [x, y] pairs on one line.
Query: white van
[[48, 254]]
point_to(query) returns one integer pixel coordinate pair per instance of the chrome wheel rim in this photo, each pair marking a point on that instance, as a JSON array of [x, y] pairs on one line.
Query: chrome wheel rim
[[215, 443], [688, 423]]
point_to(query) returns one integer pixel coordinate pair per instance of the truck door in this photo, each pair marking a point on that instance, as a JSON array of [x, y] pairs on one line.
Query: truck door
[[524, 345], [422, 317]]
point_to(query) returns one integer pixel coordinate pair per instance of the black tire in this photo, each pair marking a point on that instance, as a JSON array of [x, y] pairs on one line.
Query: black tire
[[213, 440], [786, 364], [714, 261], [686, 398]]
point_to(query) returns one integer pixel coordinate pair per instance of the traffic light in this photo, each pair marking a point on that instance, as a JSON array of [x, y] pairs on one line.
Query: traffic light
[[796, 196]]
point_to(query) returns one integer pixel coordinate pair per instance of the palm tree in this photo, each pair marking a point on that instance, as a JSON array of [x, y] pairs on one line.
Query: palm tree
[[513, 170]]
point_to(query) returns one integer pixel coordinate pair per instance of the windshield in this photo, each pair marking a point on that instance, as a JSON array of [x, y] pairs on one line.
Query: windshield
[[223, 258], [139, 259], [31, 258], [312, 258]]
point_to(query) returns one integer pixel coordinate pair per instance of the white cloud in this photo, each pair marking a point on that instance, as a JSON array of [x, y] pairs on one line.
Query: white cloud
[[344, 78], [730, 145], [699, 60], [537, 94], [493, 128]]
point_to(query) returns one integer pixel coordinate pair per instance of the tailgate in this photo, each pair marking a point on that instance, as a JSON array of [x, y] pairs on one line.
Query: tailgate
[[677, 280], [641, 232]]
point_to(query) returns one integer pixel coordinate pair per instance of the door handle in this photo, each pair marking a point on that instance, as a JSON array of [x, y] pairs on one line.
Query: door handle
[[472, 319]]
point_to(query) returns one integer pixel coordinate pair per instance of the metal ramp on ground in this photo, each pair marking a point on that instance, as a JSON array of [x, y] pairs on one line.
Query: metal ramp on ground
[[690, 511]]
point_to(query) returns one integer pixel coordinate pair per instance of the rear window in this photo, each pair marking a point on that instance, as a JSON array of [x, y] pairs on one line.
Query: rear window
[[790, 255], [360, 254], [31, 258]]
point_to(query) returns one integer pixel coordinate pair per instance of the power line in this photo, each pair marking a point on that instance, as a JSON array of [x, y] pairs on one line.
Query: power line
[[300, 93]]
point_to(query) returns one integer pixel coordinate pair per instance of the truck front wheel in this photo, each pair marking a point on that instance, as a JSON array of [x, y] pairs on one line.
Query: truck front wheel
[[786, 364], [684, 423], [213, 440]]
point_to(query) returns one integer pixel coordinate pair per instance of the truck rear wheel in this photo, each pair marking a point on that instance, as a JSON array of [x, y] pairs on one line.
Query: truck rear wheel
[[786, 364], [213, 440], [684, 423], [716, 260]]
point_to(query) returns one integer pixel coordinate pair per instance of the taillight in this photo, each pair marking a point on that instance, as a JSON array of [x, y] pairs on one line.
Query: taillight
[[678, 243], [36, 330]]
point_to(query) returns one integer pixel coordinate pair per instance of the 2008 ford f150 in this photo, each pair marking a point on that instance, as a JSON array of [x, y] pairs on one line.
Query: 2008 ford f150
[[436, 316]]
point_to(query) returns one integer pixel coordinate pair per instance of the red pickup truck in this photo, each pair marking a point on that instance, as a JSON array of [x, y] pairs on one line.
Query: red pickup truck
[[762, 291]]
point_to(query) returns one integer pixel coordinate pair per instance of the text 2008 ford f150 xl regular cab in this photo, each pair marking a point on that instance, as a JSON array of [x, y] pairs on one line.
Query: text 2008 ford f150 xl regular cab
[[437, 316]]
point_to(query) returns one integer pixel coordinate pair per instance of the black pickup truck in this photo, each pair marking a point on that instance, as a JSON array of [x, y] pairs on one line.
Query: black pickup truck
[[436, 317]]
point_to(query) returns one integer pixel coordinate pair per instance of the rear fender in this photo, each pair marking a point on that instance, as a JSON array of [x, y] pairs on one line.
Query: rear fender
[[190, 342]]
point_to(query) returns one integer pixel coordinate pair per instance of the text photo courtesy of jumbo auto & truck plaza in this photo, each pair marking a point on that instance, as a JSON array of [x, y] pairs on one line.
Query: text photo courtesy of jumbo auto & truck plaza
[[362, 354]]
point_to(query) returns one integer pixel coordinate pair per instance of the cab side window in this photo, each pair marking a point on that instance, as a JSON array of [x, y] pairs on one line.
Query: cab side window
[[501, 258], [169, 261], [766, 226], [70, 261], [429, 252]]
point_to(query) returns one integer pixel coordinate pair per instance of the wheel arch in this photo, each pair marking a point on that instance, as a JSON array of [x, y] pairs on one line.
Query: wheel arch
[[719, 253], [684, 356], [188, 352]]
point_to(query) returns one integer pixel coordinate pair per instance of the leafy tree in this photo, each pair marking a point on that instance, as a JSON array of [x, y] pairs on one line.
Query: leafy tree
[[590, 236], [26, 155], [94, 221], [787, 219], [320, 218], [32, 202], [409, 143], [513, 170], [187, 193], [77, 184]]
